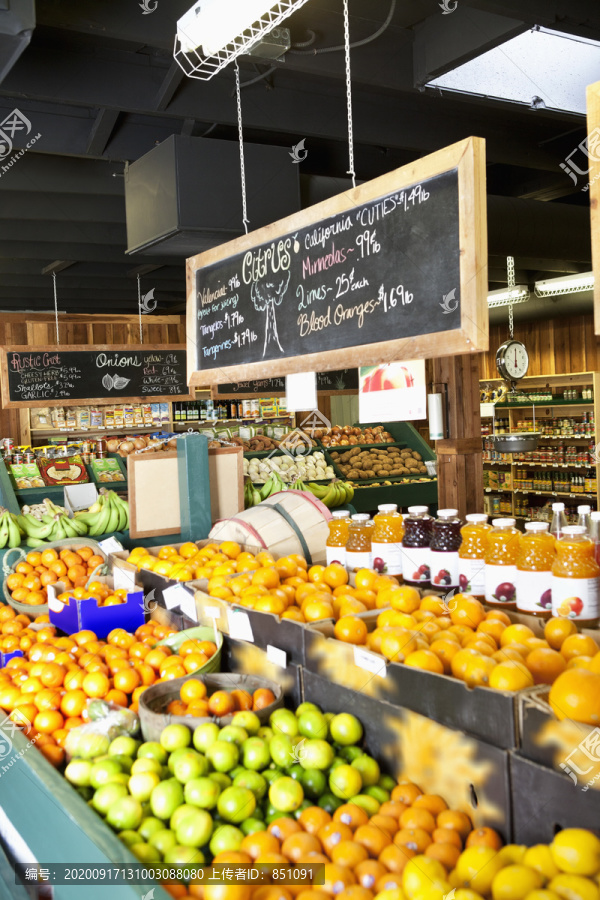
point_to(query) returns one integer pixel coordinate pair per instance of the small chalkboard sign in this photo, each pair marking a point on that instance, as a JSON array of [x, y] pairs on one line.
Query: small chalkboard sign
[[327, 382], [393, 269], [51, 376]]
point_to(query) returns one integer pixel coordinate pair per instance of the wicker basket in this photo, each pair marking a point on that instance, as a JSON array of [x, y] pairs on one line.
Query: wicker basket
[[9, 567], [199, 633], [154, 701]]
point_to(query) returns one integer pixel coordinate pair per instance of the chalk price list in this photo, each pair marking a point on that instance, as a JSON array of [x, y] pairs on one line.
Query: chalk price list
[[371, 274]]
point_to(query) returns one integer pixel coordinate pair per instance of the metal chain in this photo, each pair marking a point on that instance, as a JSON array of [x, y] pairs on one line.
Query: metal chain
[[349, 92], [56, 308], [139, 281], [510, 280], [238, 89]]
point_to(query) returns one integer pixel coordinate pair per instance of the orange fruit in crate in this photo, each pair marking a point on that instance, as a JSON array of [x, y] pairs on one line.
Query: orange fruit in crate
[[576, 695], [579, 645], [484, 837], [242, 699], [262, 697], [511, 676], [425, 659], [545, 665], [516, 634], [335, 575], [351, 630], [557, 630], [221, 703], [192, 689]]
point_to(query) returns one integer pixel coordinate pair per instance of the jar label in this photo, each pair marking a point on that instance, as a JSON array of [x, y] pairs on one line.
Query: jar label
[[391, 554], [444, 568], [534, 591], [471, 576], [416, 565], [360, 559], [575, 598], [336, 554], [500, 584]]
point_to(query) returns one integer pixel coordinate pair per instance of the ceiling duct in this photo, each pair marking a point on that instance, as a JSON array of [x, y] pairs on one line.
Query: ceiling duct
[[184, 196], [17, 21]]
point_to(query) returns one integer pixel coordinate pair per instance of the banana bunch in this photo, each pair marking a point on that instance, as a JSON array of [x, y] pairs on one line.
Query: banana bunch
[[109, 513], [41, 509], [10, 531], [54, 525], [272, 485], [338, 493]]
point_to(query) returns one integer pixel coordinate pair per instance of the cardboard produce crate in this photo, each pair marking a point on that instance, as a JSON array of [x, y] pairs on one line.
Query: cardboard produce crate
[[469, 774], [544, 802], [485, 713], [565, 746]]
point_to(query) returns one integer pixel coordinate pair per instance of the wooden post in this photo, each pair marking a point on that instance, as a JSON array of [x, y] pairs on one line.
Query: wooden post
[[591, 159], [460, 459]]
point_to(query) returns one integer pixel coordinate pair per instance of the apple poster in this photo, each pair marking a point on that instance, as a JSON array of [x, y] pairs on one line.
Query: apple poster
[[394, 392]]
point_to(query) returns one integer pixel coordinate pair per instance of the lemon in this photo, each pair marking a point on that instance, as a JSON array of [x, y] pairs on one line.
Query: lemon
[[512, 854], [540, 857], [515, 882], [574, 887], [576, 851], [419, 873], [476, 868], [436, 891], [466, 894]]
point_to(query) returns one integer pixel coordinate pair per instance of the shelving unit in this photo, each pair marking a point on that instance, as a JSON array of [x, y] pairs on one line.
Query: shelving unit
[[544, 410]]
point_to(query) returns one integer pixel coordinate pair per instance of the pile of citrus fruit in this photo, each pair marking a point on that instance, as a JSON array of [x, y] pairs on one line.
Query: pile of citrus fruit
[[194, 700], [480, 647], [188, 562], [71, 566], [15, 633], [46, 691]]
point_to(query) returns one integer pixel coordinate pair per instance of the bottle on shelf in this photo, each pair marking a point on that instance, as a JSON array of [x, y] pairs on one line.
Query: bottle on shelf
[[559, 520], [386, 540], [583, 513], [576, 578], [534, 570], [471, 565], [358, 545], [416, 542], [594, 533], [501, 556], [446, 539], [335, 546]]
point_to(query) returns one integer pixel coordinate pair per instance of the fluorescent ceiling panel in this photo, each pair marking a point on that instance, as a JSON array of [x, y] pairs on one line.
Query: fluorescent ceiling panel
[[538, 64]]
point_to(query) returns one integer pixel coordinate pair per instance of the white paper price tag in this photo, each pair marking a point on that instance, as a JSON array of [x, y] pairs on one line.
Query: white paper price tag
[[123, 578], [54, 603], [187, 605], [175, 596], [213, 612], [110, 545], [370, 661], [240, 628], [276, 656]]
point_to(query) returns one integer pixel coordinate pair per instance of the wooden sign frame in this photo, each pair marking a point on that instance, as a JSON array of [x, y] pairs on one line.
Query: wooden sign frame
[[593, 153], [468, 157], [226, 472], [88, 401], [146, 471]]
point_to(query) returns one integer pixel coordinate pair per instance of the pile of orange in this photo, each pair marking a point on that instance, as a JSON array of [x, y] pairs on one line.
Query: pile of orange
[[195, 701], [97, 590], [482, 648], [364, 856], [188, 562], [15, 633], [72, 567], [46, 691]]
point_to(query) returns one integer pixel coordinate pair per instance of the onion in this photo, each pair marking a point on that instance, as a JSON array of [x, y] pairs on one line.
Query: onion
[[112, 445], [139, 443], [172, 444], [126, 447]]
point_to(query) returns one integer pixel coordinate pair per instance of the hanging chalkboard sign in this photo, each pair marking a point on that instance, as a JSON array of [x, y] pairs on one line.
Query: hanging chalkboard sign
[[327, 382], [51, 376], [394, 269]]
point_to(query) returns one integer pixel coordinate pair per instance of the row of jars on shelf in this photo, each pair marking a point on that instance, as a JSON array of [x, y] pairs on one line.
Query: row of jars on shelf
[[548, 570]]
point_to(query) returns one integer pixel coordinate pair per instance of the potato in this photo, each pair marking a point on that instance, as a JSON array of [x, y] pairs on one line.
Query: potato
[[417, 455]]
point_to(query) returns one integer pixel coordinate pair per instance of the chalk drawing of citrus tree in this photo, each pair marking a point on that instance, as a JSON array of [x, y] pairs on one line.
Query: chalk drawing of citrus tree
[[266, 295]]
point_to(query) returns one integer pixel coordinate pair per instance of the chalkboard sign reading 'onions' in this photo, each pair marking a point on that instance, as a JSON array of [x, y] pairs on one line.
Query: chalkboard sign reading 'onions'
[[51, 377], [349, 282]]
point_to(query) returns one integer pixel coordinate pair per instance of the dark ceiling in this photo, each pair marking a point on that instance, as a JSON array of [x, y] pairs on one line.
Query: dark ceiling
[[99, 84]]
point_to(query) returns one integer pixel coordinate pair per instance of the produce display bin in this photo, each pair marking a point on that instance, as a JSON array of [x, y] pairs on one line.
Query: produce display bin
[[487, 714], [63, 828], [469, 774], [544, 802], [240, 656]]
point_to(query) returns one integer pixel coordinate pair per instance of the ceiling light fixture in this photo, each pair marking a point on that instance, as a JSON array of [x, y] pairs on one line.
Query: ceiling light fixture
[[565, 284], [215, 32], [505, 296], [538, 68]]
